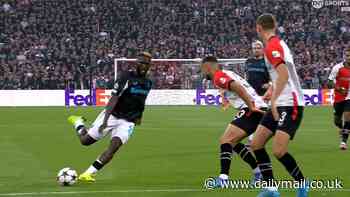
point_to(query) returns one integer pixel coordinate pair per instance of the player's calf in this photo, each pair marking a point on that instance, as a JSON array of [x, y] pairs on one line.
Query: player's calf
[[79, 125], [345, 130], [105, 158], [108, 154], [86, 140], [280, 151]]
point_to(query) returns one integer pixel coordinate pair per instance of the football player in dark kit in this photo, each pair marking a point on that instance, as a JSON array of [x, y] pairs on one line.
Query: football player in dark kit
[[256, 70], [123, 111]]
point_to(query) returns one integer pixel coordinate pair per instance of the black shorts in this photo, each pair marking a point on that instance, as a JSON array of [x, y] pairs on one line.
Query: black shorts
[[290, 120], [339, 109], [246, 121]]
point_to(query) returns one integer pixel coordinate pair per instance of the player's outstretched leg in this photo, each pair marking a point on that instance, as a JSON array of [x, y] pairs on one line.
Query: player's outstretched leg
[[280, 150], [79, 126], [229, 142], [103, 159], [248, 157]]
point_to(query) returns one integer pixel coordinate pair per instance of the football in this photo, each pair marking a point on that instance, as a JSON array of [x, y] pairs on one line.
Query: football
[[67, 177]]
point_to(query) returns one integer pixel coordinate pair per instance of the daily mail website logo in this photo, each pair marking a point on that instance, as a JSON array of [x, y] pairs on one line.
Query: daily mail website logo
[[99, 97]]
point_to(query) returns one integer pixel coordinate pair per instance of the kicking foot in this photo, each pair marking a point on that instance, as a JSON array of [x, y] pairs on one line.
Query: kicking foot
[[76, 120], [87, 177]]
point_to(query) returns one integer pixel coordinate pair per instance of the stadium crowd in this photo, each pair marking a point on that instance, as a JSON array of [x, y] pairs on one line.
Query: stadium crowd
[[52, 44]]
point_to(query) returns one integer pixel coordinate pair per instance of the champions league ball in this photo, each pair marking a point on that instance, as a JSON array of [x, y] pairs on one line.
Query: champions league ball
[[67, 177]]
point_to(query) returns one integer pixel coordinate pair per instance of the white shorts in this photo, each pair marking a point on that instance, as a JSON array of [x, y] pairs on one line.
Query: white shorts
[[116, 127]]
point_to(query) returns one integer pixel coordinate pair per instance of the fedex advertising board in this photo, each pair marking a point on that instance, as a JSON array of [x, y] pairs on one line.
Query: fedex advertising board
[[99, 97]]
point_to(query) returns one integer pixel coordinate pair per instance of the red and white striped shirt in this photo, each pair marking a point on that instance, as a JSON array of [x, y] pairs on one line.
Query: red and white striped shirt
[[222, 79], [276, 53], [341, 76]]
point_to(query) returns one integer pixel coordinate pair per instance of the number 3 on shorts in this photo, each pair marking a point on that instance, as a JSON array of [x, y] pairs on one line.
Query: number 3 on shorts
[[240, 114], [282, 118]]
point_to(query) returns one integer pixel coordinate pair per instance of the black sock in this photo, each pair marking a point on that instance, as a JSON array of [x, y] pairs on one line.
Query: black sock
[[98, 165], [345, 132], [81, 130], [264, 164], [225, 158], [245, 154], [292, 167]]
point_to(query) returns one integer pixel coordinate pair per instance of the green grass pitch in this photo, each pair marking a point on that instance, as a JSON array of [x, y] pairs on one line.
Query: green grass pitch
[[170, 155]]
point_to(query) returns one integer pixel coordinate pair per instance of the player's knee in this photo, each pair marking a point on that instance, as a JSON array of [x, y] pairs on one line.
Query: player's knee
[[224, 140], [279, 152], [86, 141]]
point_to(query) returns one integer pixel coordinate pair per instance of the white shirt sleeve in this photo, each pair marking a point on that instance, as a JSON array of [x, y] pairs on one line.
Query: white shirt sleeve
[[334, 72]]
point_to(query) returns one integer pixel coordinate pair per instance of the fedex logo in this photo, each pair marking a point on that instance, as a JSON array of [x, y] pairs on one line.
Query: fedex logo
[[207, 99], [312, 97], [81, 98], [318, 97]]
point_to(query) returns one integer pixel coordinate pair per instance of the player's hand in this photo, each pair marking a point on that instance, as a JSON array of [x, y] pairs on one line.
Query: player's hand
[[254, 109], [102, 127], [275, 113], [266, 97], [225, 105]]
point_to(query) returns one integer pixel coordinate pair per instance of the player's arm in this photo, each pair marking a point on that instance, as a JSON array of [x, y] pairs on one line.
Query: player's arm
[[331, 79], [225, 82], [243, 94], [267, 96], [109, 107], [108, 111], [225, 103], [275, 55], [281, 82]]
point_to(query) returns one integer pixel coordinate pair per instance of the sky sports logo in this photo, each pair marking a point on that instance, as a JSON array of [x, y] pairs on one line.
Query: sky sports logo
[[343, 4], [311, 97], [73, 97]]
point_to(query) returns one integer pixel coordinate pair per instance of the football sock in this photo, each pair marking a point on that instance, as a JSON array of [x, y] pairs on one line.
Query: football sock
[[80, 129], [345, 132], [96, 166], [225, 158], [245, 154], [264, 164], [292, 167]]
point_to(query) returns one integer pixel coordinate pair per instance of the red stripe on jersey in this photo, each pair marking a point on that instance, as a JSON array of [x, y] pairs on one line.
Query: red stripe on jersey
[[274, 52], [222, 80], [342, 81], [295, 106]]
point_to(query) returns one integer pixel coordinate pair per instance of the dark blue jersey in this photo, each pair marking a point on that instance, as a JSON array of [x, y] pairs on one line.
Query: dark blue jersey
[[257, 74], [132, 91]]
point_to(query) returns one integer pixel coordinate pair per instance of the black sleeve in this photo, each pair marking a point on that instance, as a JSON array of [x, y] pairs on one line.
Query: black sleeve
[[120, 86], [267, 75]]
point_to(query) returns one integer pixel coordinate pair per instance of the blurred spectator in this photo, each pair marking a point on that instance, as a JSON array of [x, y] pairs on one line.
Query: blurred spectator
[[52, 44]]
